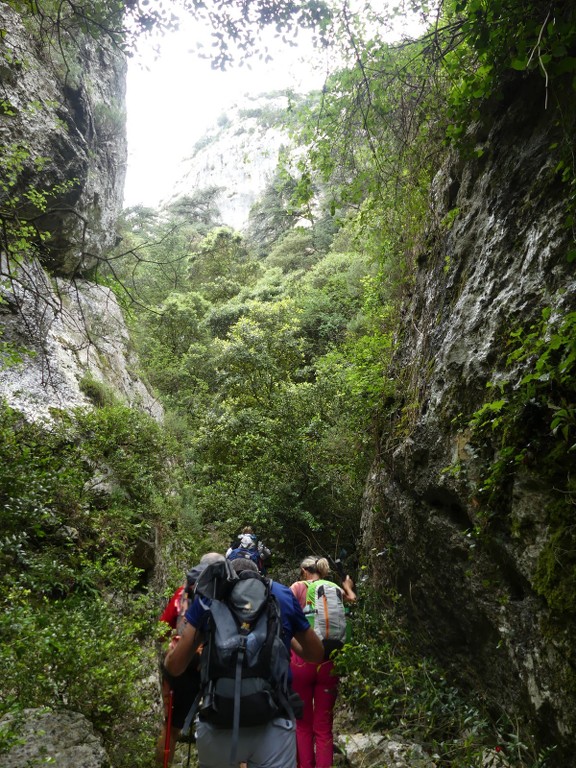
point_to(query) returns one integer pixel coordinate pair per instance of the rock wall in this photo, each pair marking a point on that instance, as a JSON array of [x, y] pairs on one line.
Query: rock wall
[[63, 133], [239, 156], [62, 137], [496, 256], [71, 334]]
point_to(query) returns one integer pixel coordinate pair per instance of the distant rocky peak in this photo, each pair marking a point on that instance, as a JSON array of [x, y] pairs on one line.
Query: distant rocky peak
[[239, 155]]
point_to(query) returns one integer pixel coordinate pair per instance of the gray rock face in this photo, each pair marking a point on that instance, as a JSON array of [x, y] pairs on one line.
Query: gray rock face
[[64, 120], [61, 738], [239, 156], [375, 750], [70, 330], [469, 584], [63, 133]]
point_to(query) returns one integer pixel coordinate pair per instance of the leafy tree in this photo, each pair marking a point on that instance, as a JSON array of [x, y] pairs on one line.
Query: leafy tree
[[221, 264], [295, 250], [169, 336], [484, 46], [121, 24], [330, 296], [235, 24], [271, 216], [199, 208], [261, 350], [151, 259], [384, 172]]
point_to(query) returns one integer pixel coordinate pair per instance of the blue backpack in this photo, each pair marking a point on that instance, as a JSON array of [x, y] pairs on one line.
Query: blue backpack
[[250, 554]]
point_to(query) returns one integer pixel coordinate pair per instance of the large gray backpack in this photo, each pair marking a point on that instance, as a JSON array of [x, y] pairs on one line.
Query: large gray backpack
[[244, 665], [326, 614]]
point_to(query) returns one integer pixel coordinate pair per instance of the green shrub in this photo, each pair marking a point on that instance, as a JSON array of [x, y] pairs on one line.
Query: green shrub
[[393, 688], [96, 391], [76, 624]]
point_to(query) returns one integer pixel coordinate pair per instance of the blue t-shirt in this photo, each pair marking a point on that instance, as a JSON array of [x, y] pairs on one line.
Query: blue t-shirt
[[293, 618]]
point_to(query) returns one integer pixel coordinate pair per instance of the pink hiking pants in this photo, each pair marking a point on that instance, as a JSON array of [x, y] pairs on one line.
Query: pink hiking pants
[[317, 686]]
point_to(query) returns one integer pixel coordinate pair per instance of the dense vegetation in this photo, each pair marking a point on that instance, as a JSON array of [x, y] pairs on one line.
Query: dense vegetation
[[271, 413], [270, 353]]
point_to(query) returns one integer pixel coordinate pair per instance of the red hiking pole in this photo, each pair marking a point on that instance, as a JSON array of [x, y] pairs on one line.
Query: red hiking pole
[[168, 730]]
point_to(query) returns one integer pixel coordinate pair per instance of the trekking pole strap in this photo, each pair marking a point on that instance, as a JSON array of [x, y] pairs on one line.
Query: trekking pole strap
[[190, 716]]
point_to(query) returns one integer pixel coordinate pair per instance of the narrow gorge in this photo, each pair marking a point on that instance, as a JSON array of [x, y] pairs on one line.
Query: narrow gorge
[[399, 393]]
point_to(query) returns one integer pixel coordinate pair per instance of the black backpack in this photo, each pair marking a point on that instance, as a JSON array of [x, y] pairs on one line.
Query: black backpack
[[244, 665]]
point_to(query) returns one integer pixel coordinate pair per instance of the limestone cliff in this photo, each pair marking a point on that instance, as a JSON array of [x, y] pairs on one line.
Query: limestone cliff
[[466, 520], [72, 336], [63, 160], [238, 155], [63, 134]]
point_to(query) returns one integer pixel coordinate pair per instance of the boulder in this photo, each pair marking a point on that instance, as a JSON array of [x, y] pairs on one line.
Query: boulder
[[368, 750], [60, 737]]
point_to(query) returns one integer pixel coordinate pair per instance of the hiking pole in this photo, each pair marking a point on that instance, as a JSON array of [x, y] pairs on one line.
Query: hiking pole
[[168, 729], [338, 566]]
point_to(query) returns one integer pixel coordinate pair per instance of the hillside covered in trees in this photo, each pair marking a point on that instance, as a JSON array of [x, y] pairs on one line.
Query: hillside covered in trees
[[378, 368]]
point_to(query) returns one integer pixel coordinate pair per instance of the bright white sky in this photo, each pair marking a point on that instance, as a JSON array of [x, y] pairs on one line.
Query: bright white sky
[[178, 96], [174, 99]]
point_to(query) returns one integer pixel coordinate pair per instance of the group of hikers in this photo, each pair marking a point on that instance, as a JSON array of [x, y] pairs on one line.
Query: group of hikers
[[249, 673]]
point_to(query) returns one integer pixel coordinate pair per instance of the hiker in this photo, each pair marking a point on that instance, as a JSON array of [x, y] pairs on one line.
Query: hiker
[[249, 547], [178, 692], [272, 744], [317, 684]]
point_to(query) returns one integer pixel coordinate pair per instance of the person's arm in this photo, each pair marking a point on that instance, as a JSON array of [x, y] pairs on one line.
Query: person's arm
[[348, 589], [299, 591], [308, 646], [264, 551], [178, 657]]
